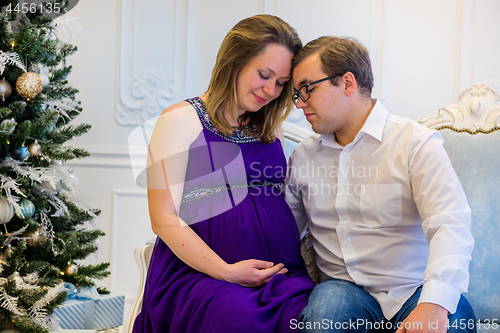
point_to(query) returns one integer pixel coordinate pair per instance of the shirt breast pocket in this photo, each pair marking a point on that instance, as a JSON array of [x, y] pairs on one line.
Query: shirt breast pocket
[[381, 205]]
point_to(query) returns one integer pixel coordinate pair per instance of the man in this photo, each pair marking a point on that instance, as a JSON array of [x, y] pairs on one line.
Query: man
[[389, 218]]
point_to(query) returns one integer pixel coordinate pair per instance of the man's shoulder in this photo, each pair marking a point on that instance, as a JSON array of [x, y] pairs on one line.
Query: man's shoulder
[[409, 132], [398, 123]]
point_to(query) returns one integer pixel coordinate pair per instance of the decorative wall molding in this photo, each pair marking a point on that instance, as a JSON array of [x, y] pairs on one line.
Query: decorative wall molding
[[269, 7], [105, 157], [376, 45], [118, 194], [465, 34], [145, 93], [189, 44]]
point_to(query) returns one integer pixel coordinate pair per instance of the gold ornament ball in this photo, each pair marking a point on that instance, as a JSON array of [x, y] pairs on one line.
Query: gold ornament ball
[[2, 259], [34, 237], [8, 251], [5, 89], [35, 149], [29, 85], [71, 269]]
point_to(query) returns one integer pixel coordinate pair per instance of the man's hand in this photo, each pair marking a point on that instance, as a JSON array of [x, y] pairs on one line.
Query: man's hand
[[252, 273], [426, 317]]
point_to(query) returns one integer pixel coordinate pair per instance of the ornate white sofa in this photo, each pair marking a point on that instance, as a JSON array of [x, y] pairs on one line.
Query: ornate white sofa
[[471, 132]]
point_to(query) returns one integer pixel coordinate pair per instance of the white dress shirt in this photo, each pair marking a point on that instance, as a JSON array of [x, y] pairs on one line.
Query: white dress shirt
[[386, 211]]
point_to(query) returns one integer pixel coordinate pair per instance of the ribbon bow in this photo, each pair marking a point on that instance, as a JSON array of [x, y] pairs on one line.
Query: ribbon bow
[[89, 293]]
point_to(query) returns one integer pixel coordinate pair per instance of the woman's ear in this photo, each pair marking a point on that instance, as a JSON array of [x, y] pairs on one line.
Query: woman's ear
[[349, 83]]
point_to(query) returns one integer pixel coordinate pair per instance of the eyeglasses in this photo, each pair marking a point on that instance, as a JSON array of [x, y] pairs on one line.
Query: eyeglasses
[[304, 92]]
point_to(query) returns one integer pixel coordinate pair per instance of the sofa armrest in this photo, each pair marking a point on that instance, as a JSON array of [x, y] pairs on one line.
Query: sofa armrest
[[142, 255]]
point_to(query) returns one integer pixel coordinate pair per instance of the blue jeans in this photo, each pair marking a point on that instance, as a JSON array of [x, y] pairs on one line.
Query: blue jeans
[[341, 306]]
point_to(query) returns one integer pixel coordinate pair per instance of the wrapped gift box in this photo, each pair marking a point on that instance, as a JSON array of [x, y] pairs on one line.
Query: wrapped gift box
[[103, 312], [110, 330], [73, 331]]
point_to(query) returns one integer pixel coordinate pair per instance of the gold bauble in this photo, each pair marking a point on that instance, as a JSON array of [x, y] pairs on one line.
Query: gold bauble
[[29, 85], [34, 237], [35, 149], [71, 269], [8, 251]]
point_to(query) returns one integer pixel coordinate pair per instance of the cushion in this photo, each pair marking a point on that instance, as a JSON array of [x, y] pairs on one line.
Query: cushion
[[476, 159]]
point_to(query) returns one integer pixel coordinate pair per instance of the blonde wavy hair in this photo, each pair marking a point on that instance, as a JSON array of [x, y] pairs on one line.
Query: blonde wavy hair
[[245, 40]]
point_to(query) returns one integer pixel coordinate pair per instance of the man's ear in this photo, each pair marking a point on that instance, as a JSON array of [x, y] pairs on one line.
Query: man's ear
[[349, 83]]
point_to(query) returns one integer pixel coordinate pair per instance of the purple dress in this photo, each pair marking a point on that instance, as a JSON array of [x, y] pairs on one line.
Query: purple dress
[[232, 200]]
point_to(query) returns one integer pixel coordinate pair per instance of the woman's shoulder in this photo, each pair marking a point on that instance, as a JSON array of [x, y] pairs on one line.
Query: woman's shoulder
[[177, 123], [177, 107]]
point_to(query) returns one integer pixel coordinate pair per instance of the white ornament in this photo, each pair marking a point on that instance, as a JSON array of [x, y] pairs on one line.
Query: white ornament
[[10, 58], [45, 79], [70, 181], [59, 172], [63, 106], [6, 210], [7, 122], [16, 277], [46, 185], [69, 24]]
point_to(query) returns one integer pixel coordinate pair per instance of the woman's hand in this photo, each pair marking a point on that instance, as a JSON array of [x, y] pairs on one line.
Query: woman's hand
[[252, 273]]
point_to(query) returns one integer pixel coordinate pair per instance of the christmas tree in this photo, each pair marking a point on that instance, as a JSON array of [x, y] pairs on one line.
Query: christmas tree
[[44, 233]]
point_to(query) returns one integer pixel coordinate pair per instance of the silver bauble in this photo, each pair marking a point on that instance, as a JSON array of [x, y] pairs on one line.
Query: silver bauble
[[71, 269], [8, 122], [70, 182], [6, 210], [5, 89]]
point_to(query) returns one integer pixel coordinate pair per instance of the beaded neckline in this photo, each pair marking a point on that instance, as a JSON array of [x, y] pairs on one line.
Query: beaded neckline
[[237, 137]]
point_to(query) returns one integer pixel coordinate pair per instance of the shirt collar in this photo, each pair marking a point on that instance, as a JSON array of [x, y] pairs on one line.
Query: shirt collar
[[375, 123], [373, 126]]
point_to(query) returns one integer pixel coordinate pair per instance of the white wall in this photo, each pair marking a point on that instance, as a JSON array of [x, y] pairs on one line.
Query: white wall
[[137, 57]]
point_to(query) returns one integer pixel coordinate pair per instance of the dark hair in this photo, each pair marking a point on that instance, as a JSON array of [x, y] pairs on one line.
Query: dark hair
[[244, 41], [340, 55]]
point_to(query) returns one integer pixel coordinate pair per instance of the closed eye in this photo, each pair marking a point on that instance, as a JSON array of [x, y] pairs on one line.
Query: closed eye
[[262, 76]]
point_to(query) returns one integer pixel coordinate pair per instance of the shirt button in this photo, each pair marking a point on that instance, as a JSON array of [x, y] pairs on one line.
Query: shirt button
[[344, 244]]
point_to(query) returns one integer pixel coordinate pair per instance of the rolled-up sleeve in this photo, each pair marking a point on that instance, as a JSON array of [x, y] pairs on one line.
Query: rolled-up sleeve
[[446, 221]]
